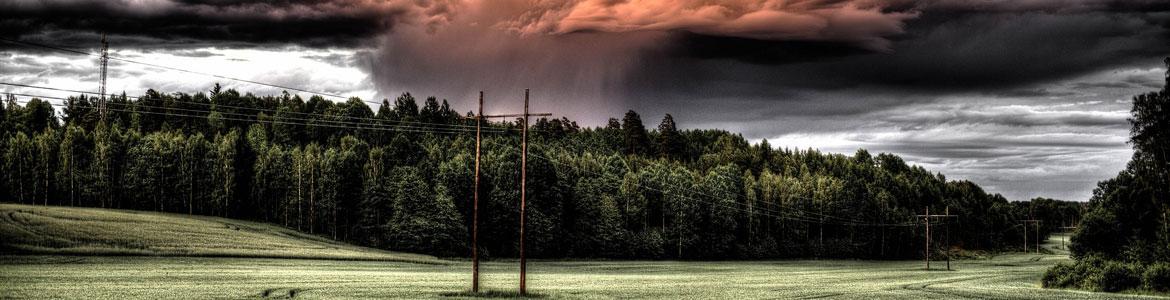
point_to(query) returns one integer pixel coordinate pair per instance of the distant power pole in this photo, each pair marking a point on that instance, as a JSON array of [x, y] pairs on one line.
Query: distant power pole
[[102, 89], [523, 190], [947, 237], [926, 219], [1036, 232]]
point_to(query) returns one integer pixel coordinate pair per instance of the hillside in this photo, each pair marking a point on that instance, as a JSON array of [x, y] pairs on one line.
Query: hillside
[[94, 231]]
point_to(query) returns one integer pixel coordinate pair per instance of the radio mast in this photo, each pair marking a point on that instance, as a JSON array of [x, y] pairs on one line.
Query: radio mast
[[105, 60]]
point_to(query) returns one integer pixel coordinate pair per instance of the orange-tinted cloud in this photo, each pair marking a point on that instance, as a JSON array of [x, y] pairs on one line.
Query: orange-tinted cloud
[[859, 21]]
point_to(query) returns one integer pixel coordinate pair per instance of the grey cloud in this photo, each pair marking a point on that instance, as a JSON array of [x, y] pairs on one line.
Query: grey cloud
[[1106, 85], [1144, 81], [336, 59], [1027, 93], [1017, 118], [321, 23], [194, 53]]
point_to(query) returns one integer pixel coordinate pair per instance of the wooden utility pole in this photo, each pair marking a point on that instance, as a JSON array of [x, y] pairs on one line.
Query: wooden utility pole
[[523, 190], [926, 219], [947, 237], [475, 203], [1035, 232]]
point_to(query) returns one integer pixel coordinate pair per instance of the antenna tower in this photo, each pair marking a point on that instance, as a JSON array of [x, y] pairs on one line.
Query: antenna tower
[[105, 60]]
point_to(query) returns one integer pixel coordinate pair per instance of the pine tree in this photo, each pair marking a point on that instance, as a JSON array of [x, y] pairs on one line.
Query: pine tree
[[634, 135], [670, 143]]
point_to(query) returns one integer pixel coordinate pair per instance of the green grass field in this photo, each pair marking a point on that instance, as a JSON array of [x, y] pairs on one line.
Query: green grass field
[[40, 276], [92, 231]]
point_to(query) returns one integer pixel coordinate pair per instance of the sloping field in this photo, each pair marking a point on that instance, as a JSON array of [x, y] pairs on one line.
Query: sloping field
[[139, 255], [28, 229]]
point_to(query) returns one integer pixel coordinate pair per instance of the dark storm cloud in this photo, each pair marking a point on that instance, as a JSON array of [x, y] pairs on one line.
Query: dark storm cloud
[[945, 52], [305, 22], [1002, 49], [755, 51]]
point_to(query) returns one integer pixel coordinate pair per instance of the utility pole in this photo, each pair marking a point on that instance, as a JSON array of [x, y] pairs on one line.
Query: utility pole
[[926, 219], [947, 237], [102, 89], [1036, 232], [475, 203], [523, 189]]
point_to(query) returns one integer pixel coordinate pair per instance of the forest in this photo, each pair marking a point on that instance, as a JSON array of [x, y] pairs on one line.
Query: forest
[[1124, 241], [401, 177]]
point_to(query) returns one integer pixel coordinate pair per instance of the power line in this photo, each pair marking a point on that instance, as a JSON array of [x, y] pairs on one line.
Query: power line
[[274, 111], [244, 120]]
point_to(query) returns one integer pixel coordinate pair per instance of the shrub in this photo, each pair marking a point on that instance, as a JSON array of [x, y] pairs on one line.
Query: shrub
[[648, 244], [1061, 276], [1157, 277], [1114, 277]]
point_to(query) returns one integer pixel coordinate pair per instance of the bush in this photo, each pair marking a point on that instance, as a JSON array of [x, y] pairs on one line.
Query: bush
[[1061, 276], [1114, 277], [1157, 277], [648, 244]]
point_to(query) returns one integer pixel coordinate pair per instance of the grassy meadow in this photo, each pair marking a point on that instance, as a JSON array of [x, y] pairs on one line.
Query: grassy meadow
[[93, 231], [194, 258], [1003, 277]]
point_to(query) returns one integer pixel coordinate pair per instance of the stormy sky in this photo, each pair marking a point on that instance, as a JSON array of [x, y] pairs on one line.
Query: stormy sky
[[1025, 97]]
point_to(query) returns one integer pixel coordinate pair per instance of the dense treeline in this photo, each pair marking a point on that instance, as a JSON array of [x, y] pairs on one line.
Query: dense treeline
[[1124, 241], [401, 178]]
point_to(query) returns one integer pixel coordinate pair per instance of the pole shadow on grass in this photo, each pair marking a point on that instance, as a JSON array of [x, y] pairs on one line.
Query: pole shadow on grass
[[281, 293], [495, 294]]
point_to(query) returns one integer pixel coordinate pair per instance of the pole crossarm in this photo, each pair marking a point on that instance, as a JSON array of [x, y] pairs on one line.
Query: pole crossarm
[[518, 115], [505, 116]]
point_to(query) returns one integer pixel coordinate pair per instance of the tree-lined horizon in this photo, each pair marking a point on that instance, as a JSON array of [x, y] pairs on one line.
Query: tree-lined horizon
[[400, 177]]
